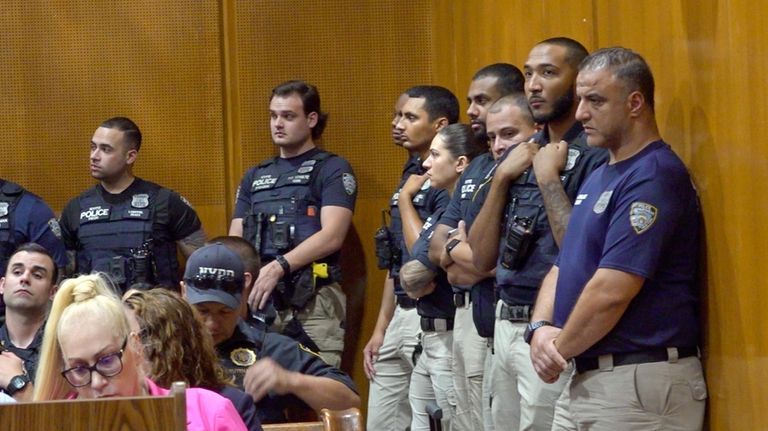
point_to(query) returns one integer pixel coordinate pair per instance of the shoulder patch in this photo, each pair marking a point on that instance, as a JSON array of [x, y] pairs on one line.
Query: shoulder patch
[[642, 216], [4, 208], [183, 199], [55, 227], [308, 350], [350, 183]]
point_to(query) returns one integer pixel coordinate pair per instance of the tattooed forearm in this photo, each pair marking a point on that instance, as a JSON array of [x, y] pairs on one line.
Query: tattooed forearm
[[558, 208]]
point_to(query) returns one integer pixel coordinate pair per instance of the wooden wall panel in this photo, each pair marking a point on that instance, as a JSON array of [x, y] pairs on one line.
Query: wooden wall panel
[[69, 65]]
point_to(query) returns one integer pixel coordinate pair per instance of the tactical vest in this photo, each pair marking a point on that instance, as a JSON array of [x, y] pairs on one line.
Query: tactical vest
[[288, 210], [420, 203], [125, 230], [10, 194], [525, 201]]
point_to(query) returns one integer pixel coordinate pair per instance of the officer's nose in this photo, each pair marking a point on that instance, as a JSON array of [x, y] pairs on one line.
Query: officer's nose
[[98, 382]]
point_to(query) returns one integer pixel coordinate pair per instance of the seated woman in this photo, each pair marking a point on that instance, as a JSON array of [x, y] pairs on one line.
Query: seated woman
[[178, 348], [89, 351]]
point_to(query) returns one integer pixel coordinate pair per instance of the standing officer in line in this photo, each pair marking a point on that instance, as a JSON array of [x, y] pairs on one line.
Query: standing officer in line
[[489, 84], [125, 226], [28, 285], [523, 215], [25, 217], [389, 356], [623, 297], [296, 209]]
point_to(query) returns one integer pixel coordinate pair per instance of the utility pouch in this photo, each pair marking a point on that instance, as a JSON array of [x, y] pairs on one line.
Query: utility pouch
[[252, 229], [517, 243], [384, 244]]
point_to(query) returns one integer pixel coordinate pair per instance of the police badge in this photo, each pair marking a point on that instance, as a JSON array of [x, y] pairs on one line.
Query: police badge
[[350, 184], [4, 209], [602, 202], [573, 155], [243, 357], [642, 216], [55, 228], [140, 201]]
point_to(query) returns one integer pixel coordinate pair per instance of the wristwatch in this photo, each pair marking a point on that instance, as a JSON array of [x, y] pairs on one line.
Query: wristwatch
[[16, 384], [533, 326], [450, 245]]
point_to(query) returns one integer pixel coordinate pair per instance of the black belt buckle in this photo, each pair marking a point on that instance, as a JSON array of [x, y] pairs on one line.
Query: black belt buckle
[[405, 302], [656, 355], [459, 299], [515, 313], [431, 324]]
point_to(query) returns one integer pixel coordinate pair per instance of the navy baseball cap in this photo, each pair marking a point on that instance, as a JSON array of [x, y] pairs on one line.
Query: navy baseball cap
[[214, 273]]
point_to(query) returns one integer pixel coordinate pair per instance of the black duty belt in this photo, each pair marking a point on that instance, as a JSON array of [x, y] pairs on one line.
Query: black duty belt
[[461, 299], [515, 313], [431, 324], [405, 302], [656, 355]]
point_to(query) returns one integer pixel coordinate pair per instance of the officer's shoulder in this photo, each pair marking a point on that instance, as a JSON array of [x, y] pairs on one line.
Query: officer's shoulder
[[12, 189]]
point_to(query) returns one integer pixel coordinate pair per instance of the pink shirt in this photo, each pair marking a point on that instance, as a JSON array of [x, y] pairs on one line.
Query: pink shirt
[[206, 410]]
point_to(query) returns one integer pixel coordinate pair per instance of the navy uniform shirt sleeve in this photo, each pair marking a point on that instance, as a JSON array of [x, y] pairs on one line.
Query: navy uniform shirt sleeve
[[242, 197], [338, 184], [35, 222], [183, 219], [644, 215], [294, 357], [244, 405], [69, 224]]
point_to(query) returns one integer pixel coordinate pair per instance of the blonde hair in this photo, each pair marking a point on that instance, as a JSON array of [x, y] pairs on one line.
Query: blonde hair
[[88, 296], [176, 345], [414, 275]]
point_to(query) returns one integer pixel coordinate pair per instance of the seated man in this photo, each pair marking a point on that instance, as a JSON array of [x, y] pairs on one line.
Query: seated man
[[275, 370], [27, 287]]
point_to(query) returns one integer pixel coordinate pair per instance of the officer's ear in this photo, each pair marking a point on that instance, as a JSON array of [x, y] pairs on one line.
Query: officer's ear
[[130, 156], [440, 123], [312, 118], [461, 163], [246, 293], [183, 289], [2, 285]]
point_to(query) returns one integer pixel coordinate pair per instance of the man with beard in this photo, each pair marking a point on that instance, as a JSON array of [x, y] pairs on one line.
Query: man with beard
[[470, 346], [27, 287], [523, 216]]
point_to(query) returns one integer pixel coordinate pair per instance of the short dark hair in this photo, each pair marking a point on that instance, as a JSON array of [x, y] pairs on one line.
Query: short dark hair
[[33, 247], [244, 249], [575, 52], [515, 99], [310, 99], [627, 66], [509, 79], [460, 140], [438, 101], [132, 134]]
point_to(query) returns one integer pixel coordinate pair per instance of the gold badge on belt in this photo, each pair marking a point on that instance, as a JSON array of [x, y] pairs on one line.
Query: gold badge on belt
[[243, 357]]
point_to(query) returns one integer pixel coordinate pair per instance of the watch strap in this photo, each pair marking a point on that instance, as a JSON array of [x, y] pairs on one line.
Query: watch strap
[[450, 245], [17, 383], [532, 327], [283, 262]]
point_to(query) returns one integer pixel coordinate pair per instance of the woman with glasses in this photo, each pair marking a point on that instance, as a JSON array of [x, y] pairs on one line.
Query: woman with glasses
[[89, 351], [177, 347]]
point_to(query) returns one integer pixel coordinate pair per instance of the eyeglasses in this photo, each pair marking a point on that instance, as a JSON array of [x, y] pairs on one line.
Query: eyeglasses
[[108, 366], [226, 283]]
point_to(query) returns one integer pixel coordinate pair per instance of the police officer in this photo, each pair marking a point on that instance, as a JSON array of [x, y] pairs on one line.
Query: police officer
[[451, 152], [275, 370], [25, 217], [521, 221], [296, 209], [623, 297], [125, 226], [27, 287], [389, 355], [470, 347]]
